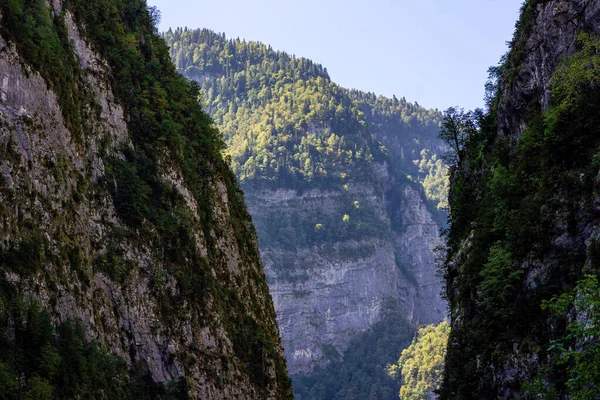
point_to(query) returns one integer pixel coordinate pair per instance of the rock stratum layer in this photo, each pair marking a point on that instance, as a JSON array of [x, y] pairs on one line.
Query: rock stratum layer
[[117, 210]]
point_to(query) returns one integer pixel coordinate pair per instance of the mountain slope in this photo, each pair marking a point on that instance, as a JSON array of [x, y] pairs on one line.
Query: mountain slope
[[336, 182], [121, 219], [524, 215]]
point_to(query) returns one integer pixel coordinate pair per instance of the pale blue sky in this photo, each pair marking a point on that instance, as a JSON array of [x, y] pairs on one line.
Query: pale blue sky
[[435, 52]]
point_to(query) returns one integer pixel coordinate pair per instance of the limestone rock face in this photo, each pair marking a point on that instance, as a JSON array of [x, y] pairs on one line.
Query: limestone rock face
[[54, 184], [326, 295]]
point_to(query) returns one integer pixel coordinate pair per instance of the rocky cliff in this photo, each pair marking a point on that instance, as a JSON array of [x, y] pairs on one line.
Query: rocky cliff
[[333, 185], [118, 212], [546, 34], [524, 213], [326, 294]]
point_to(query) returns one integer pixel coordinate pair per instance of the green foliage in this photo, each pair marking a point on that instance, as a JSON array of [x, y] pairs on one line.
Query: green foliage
[[421, 364], [131, 194], [510, 203], [457, 128], [286, 123], [499, 278], [252, 346], [281, 116], [436, 182], [9, 383], [579, 350], [40, 362], [113, 265], [321, 227], [24, 257], [574, 79], [361, 372]]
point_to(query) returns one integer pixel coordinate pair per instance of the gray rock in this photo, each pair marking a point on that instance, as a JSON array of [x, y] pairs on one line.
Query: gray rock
[[552, 36], [324, 297]]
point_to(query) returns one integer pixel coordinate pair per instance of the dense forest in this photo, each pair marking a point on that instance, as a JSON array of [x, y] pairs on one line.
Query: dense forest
[[284, 120], [523, 255]]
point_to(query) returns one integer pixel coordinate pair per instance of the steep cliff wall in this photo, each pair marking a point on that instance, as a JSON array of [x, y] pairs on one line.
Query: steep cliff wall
[[524, 212], [117, 210], [326, 293], [546, 34]]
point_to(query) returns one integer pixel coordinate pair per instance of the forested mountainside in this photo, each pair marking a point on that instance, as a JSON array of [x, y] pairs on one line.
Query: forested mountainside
[[344, 188], [129, 267], [523, 254], [287, 123]]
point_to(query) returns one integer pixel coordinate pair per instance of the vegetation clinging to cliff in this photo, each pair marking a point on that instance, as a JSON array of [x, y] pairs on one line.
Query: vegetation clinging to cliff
[[168, 129], [509, 202], [40, 362]]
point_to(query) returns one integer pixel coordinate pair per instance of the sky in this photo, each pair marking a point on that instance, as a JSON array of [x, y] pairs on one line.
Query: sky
[[434, 52]]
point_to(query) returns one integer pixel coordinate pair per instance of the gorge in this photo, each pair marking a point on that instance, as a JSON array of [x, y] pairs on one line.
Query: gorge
[[344, 188], [187, 215]]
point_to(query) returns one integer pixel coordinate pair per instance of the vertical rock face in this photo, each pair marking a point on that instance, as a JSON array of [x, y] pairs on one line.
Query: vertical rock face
[[326, 291], [327, 295], [192, 305], [523, 232], [416, 242], [550, 35]]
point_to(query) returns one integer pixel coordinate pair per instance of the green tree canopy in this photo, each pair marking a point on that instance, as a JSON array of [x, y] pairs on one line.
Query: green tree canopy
[[421, 365], [286, 123]]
